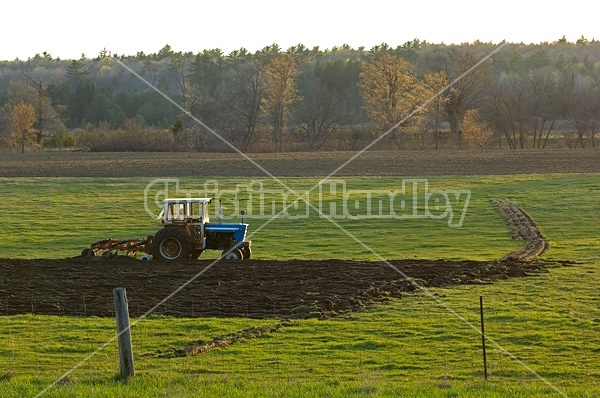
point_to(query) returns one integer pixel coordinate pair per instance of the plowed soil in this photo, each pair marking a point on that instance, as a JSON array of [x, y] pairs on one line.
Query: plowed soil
[[298, 164], [249, 288]]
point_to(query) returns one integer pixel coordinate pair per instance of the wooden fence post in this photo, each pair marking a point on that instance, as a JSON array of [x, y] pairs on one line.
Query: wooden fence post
[[123, 332]]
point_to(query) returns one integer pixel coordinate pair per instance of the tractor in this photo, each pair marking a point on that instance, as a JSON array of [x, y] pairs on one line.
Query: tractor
[[186, 233]]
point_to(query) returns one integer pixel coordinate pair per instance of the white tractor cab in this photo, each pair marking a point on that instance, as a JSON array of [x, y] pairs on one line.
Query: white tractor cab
[[187, 232]]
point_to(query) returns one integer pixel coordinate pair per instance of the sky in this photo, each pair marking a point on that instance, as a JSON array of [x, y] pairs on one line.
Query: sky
[[68, 29]]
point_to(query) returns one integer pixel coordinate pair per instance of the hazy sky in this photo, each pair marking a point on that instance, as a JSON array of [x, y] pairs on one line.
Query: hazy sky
[[68, 28]]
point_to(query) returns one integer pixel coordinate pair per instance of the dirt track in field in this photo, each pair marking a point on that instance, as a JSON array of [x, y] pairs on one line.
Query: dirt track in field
[[250, 288], [392, 163]]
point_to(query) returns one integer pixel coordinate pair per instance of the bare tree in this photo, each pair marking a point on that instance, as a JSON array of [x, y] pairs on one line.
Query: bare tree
[[584, 109], [319, 114], [545, 100], [434, 83], [280, 73], [245, 96], [179, 63], [468, 90], [510, 101]]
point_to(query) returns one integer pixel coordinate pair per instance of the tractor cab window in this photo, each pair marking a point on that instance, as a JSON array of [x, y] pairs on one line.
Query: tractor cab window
[[194, 211], [176, 212]]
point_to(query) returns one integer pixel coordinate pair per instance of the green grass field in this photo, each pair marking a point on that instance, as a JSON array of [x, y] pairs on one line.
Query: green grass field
[[410, 347]]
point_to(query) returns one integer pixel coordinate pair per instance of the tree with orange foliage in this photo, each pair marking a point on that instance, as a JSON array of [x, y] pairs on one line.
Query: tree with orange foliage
[[475, 132], [22, 119], [391, 93]]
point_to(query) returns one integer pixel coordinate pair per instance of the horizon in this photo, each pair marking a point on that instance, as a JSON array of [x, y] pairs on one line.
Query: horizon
[[285, 48]]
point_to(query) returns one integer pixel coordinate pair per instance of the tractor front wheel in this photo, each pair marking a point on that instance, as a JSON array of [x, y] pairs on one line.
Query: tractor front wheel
[[172, 244], [232, 254], [246, 252]]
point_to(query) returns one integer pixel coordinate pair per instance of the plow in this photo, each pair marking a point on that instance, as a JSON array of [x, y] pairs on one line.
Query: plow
[[114, 247]]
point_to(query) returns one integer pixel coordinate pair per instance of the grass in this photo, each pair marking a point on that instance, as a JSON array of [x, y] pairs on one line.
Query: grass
[[410, 347], [57, 218]]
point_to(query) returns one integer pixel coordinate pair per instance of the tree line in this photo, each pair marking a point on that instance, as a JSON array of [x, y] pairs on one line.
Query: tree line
[[422, 95]]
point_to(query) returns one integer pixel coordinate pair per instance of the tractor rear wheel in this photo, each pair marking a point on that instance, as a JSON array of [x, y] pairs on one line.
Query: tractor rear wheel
[[172, 244], [232, 254]]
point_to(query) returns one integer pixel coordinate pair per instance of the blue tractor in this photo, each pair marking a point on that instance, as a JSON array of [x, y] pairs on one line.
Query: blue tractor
[[187, 232]]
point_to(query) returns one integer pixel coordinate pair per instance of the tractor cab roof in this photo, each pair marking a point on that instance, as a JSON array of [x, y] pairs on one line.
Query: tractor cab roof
[[188, 200]]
